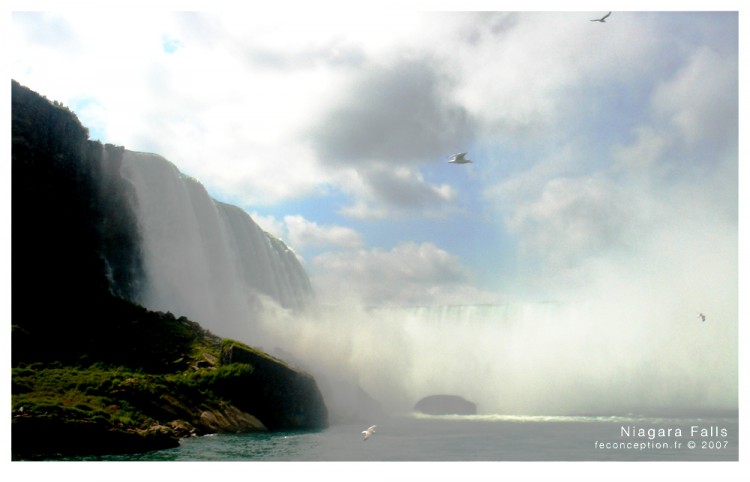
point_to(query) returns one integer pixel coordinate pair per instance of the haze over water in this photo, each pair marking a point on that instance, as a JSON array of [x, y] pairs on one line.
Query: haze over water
[[522, 358]]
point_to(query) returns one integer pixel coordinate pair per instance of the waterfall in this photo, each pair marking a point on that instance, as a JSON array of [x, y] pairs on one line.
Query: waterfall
[[205, 259], [534, 358], [620, 349]]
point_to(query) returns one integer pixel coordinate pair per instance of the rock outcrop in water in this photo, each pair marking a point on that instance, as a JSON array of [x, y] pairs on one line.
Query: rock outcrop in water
[[445, 405]]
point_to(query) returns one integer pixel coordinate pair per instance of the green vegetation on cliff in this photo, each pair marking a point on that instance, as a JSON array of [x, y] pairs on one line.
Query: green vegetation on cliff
[[143, 379], [176, 381]]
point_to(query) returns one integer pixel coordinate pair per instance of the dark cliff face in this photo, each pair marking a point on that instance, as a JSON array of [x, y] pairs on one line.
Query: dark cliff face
[[74, 237], [94, 372], [290, 398], [71, 208]]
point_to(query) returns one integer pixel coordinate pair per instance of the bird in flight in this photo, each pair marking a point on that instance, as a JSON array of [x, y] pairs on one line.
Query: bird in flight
[[603, 19], [702, 316], [459, 158], [367, 433]]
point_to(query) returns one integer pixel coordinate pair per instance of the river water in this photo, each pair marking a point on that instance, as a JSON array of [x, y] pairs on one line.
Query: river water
[[476, 438]]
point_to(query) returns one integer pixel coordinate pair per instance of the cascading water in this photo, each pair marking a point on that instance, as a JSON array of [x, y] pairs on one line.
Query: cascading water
[[635, 346], [205, 259], [521, 357]]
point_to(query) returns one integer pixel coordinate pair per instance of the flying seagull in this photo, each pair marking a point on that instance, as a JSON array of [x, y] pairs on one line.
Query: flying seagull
[[702, 316], [366, 433], [459, 158], [603, 19]]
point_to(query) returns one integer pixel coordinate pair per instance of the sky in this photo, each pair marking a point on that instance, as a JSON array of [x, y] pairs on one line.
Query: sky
[[596, 147], [605, 155]]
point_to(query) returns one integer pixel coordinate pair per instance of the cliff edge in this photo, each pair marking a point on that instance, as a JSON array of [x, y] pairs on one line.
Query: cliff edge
[[93, 372]]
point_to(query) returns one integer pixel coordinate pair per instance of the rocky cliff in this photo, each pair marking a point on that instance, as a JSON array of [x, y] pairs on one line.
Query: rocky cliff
[[93, 371], [289, 398]]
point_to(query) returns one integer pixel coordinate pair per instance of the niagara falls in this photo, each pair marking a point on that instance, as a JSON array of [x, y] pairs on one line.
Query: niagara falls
[[249, 239], [211, 262]]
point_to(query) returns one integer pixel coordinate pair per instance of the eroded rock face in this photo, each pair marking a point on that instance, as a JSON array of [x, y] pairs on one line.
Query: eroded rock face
[[278, 395], [230, 419], [445, 405]]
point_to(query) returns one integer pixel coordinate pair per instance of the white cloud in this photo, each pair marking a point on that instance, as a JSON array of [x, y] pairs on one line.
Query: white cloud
[[692, 124], [642, 156], [606, 182], [599, 127], [381, 191], [701, 100], [201, 106], [304, 233], [576, 218], [408, 274], [528, 75], [395, 113], [260, 109], [301, 234], [271, 107]]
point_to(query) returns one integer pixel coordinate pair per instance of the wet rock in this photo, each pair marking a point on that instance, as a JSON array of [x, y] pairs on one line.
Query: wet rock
[[445, 405]]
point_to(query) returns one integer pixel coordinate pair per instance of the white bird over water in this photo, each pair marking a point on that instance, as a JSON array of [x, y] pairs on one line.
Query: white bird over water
[[459, 158], [603, 19], [367, 433]]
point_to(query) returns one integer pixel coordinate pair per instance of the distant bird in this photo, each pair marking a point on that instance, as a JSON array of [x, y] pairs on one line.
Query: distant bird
[[459, 158], [702, 316], [603, 19], [367, 433]]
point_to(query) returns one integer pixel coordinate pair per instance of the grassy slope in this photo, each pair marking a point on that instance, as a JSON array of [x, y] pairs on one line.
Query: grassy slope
[[122, 405]]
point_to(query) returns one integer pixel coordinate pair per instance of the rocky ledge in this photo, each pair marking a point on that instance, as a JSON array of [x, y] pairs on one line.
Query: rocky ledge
[[285, 396], [210, 385]]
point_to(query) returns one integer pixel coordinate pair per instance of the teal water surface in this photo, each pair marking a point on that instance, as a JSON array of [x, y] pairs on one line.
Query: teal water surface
[[477, 438]]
